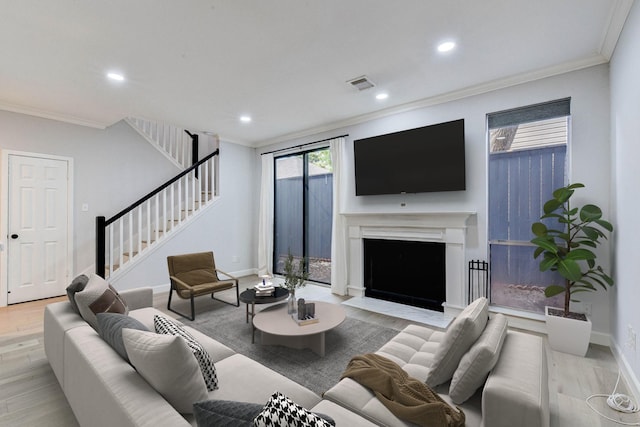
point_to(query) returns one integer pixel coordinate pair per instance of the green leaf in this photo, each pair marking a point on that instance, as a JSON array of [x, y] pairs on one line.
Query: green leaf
[[604, 224], [539, 229], [591, 233], [537, 252], [590, 213], [562, 194], [591, 263], [547, 244], [569, 269], [553, 290], [589, 243], [575, 185], [551, 206], [578, 254], [548, 262]]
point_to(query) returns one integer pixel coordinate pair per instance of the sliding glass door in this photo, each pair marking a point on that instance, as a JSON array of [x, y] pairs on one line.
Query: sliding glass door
[[303, 207]]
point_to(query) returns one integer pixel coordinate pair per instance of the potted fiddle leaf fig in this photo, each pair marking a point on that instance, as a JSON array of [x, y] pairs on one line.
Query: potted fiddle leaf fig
[[567, 250]]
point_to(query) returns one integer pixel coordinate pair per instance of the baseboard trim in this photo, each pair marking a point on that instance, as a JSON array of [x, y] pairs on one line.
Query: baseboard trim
[[627, 372]]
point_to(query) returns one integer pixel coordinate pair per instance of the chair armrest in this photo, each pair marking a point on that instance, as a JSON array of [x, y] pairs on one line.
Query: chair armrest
[[178, 284], [228, 275], [138, 298]]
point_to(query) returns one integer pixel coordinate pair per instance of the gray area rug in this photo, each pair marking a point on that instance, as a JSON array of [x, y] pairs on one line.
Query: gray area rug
[[226, 324]]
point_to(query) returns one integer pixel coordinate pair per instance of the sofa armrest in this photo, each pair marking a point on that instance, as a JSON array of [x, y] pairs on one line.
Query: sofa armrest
[[517, 390], [138, 298]]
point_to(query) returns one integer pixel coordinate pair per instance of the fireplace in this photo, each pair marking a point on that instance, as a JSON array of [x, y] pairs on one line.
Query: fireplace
[[447, 228], [407, 272]]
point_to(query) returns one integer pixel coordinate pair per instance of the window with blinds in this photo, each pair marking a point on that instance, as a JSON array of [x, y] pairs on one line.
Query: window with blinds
[[527, 161]]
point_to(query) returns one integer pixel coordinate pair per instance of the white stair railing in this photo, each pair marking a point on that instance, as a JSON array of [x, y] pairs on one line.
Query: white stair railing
[[172, 141], [132, 232]]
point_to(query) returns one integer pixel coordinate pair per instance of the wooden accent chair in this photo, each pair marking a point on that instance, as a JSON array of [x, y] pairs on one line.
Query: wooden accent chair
[[196, 274]]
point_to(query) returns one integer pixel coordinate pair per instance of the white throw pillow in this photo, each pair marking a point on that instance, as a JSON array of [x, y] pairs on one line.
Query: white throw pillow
[[475, 366], [457, 340], [166, 326], [167, 364]]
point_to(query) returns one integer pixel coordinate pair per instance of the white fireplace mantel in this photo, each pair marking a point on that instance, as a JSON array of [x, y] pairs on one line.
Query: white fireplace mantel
[[444, 227]]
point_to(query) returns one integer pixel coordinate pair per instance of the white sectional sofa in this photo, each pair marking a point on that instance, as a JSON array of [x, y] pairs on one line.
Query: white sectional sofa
[[103, 389]]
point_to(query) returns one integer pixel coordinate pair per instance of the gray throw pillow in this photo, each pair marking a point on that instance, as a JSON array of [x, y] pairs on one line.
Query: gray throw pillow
[[228, 413], [110, 327], [77, 285]]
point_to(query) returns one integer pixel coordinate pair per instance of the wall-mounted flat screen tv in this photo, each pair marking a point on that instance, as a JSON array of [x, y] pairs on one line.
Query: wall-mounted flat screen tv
[[426, 159]]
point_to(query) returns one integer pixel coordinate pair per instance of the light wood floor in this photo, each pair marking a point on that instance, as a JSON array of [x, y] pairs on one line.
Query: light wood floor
[[30, 394]]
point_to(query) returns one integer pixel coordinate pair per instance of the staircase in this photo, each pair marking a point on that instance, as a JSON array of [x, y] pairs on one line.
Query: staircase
[[174, 142], [132, 233]]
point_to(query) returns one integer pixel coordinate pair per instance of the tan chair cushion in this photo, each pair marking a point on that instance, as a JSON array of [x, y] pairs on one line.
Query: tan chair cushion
[[476, 364], [459, 337]]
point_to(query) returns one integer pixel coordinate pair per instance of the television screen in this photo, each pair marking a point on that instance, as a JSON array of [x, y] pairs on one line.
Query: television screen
[[420, 160]]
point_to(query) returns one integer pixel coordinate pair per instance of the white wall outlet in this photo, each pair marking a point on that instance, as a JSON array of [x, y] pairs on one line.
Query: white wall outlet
[[85, 207], [235, 258], [631, 338], [587, 308]]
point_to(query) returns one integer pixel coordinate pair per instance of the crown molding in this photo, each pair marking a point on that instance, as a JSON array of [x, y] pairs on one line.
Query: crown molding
[[45, 114], [617, 18], [467, 92]]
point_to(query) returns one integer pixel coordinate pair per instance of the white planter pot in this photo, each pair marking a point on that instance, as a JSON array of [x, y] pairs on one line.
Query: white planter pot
[[568, 335]]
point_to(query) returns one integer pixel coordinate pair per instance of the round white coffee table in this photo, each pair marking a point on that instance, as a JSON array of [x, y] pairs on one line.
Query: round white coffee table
[[279, 328]]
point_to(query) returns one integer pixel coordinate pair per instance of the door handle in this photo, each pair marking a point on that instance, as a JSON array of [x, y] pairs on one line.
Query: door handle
[[14, 236]]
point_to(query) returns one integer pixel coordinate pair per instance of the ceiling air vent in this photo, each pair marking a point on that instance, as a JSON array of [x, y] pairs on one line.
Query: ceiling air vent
[[361, 83]]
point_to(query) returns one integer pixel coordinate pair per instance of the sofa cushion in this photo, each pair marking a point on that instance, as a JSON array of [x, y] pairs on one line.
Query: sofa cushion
[[77, 285], [110, 327], [461, 334], [166, 326], [228, 413], [167, 364], [98, 297], [283, 412], [413, 349], [476, 364]]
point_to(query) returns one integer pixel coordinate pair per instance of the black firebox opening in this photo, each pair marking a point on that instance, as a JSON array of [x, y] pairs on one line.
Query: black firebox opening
[[406, 272]]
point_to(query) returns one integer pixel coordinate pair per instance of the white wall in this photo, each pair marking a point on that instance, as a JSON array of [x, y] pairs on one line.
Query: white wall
[[225, 227], [112, 168], [589, 154], [116, 166], [625, 135]]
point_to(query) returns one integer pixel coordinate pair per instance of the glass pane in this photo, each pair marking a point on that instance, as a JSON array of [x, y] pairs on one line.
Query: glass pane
[[288, 206], [319, 212], [516, 279], [526, 163]]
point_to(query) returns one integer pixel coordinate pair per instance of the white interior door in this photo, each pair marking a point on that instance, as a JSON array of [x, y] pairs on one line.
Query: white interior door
[[37, 241]]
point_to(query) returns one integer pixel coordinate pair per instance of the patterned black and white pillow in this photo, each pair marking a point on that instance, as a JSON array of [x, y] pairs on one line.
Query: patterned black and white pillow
[[281, 411], [166, 326]]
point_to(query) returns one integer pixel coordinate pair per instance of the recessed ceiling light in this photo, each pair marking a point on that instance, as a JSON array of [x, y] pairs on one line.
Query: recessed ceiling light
[[382, 96], [446, 46], [116, 76], [245, 119]]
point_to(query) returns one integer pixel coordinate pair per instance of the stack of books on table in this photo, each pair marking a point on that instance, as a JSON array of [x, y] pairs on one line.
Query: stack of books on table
[[264, 289], [308, 320]]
